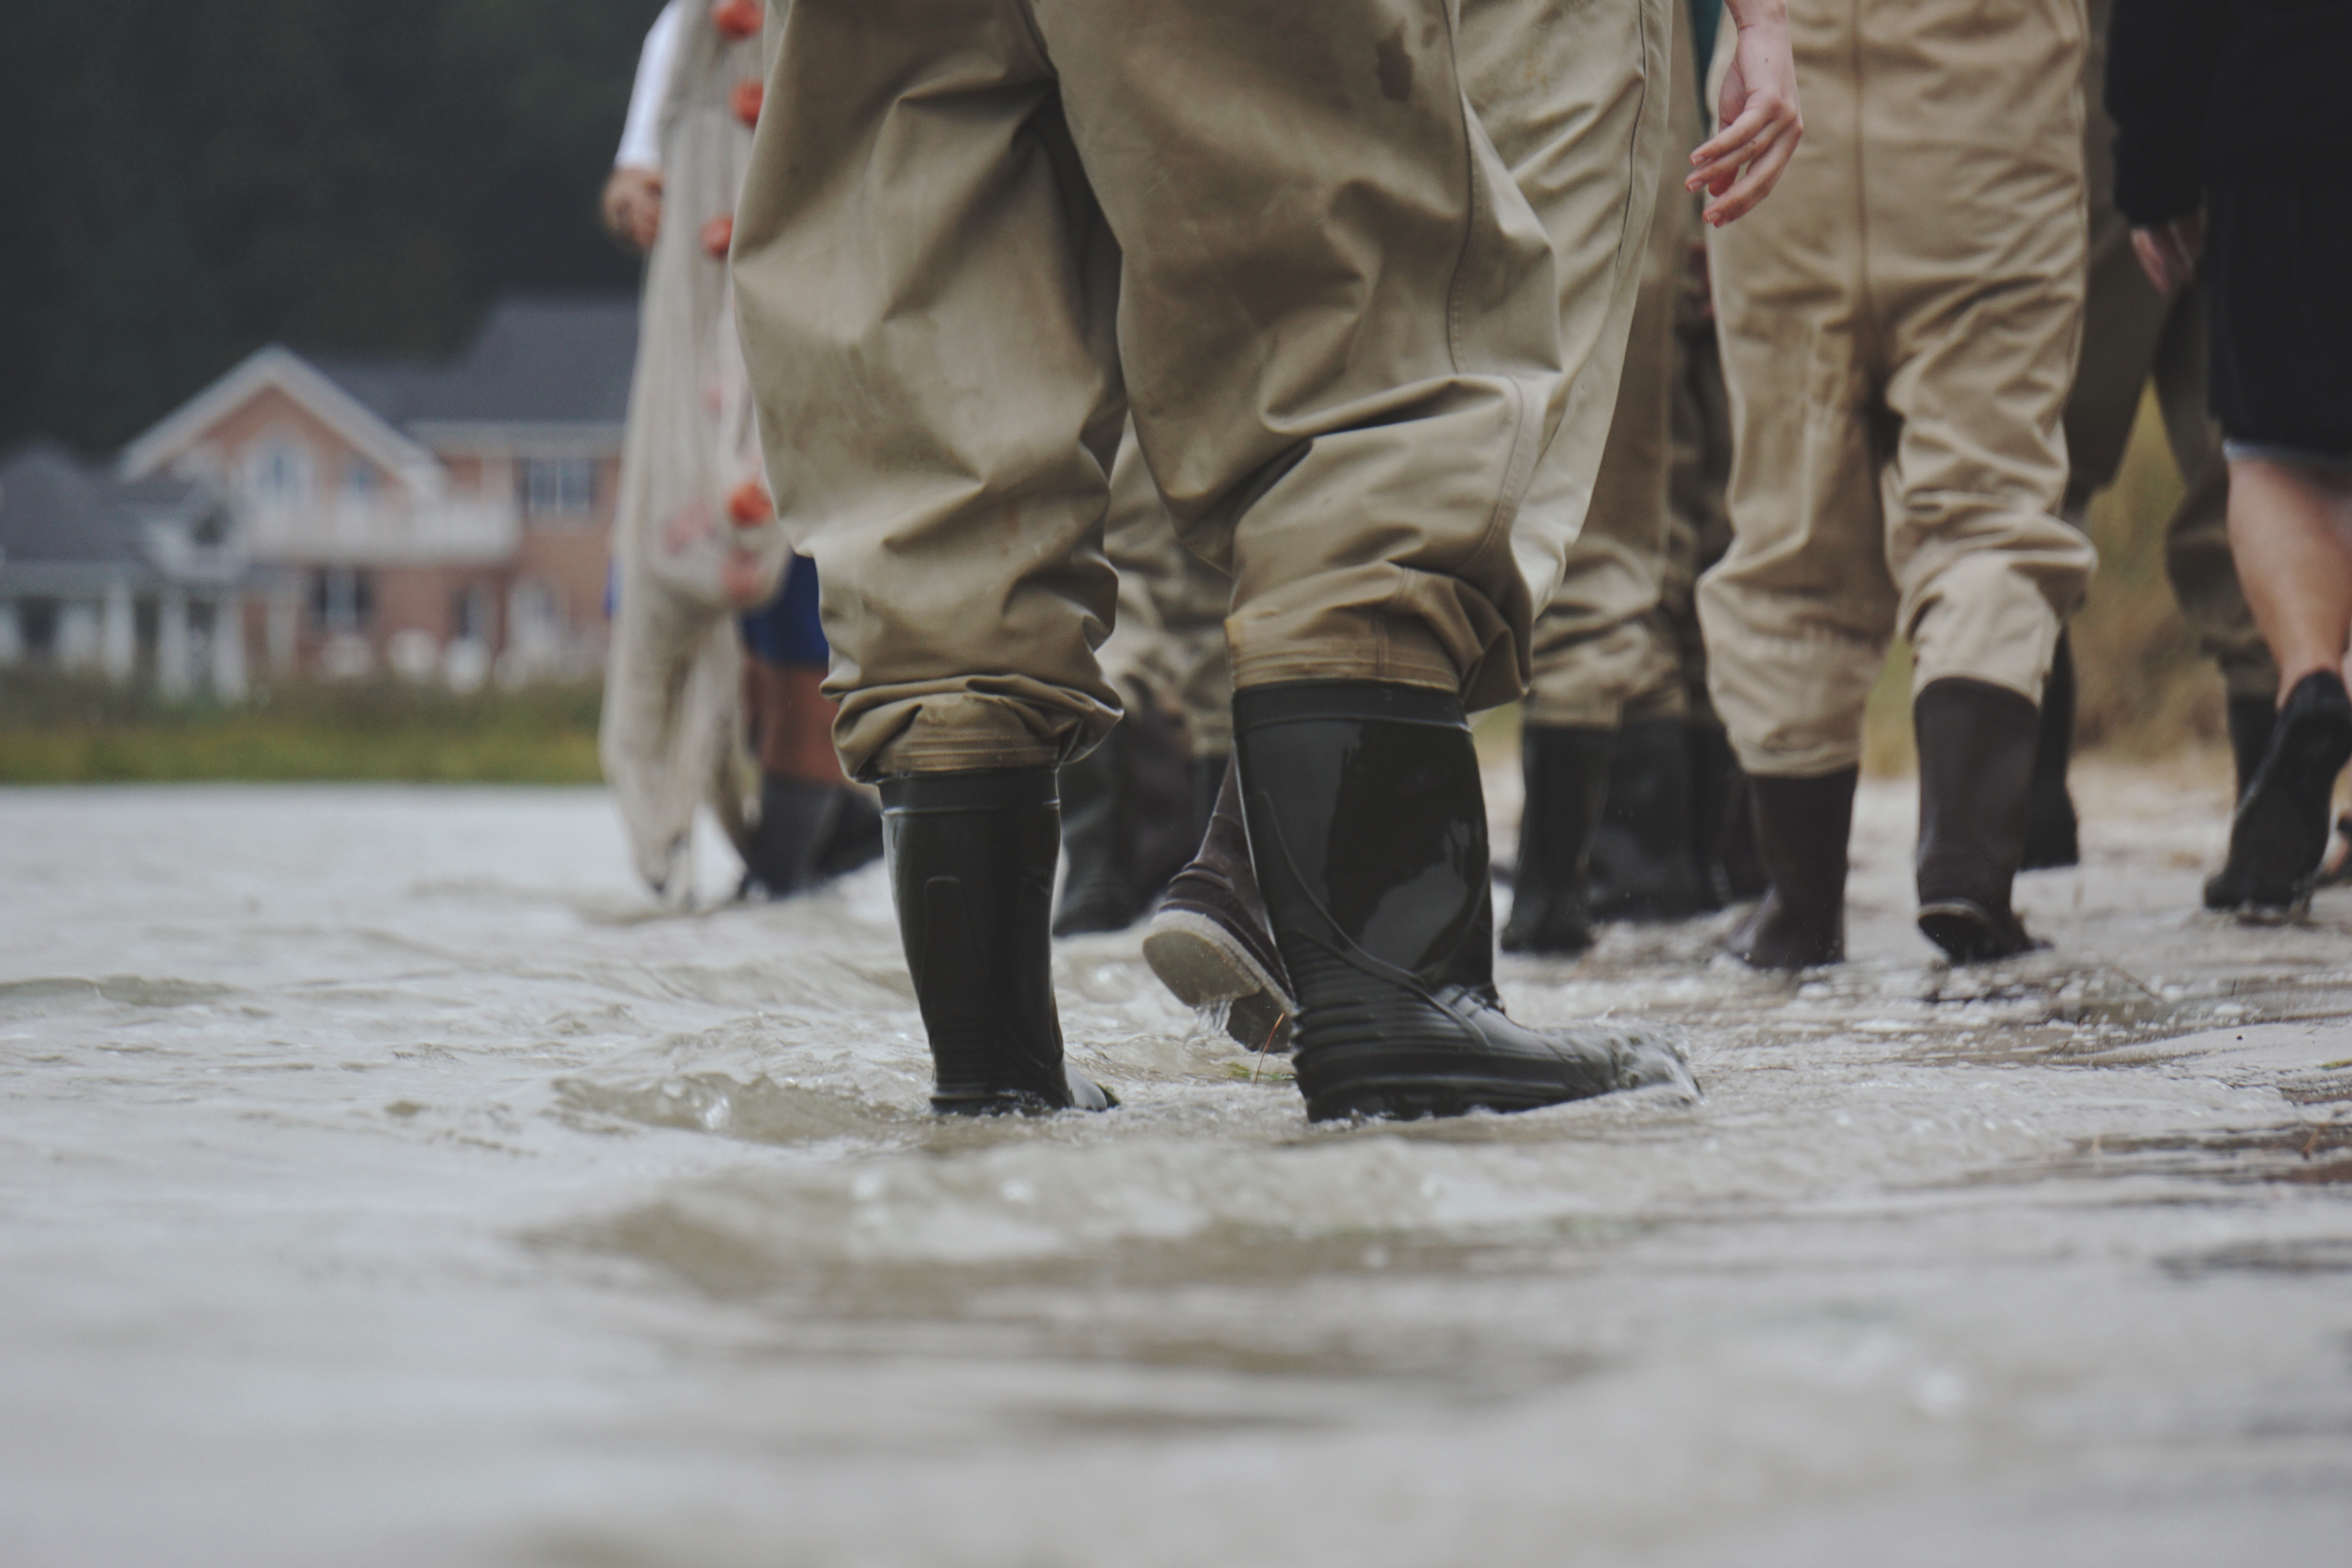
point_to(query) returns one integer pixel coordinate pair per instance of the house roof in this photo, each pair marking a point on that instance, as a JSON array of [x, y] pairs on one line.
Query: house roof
[[55, 510], [62, 520], [538, 360], [540, 363]]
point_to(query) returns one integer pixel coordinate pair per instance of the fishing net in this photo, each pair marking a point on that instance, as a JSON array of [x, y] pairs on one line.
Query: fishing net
[[695, 540]]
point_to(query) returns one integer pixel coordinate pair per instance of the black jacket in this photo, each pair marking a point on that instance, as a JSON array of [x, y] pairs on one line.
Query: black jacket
[[2210, 92]]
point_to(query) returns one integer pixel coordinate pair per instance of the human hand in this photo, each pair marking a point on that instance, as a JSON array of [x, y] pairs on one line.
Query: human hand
[[632, 206], [1761, 123], [2168, 251]]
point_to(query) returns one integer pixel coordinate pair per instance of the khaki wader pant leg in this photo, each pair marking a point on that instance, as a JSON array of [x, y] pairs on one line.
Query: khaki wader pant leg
[[1701, 529], [1170, 643], [1900, 323], [1553, 91], [1335, 310], [1597, 644], [2129, 333], [1578, 102]]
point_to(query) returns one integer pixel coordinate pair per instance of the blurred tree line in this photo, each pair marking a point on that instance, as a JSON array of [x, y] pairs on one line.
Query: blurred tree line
[[182, 180]]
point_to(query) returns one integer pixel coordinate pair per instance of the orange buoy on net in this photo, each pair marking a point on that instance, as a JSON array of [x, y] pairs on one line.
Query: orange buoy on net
[[739, 19], [751, 505], [745, 100], [717, 235]]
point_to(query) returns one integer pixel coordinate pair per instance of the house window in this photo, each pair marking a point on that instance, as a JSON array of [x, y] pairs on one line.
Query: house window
[[279, 472], [37, 627], [341, 600], [469, 614], [359, 480], [559, 487]]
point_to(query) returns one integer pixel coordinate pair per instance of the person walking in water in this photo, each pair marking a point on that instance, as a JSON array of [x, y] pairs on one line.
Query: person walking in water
[[2241, 109], [696, 542], [974, 237], [1899, 331]]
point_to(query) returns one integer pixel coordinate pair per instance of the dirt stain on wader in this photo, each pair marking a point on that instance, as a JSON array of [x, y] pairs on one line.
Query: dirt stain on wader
[[1395, 66]]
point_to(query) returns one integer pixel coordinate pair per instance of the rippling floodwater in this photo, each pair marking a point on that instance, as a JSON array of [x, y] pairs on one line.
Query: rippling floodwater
[[382, 1182]]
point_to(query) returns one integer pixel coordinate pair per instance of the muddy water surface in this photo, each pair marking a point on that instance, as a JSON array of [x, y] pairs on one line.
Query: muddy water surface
[[382, 1181]]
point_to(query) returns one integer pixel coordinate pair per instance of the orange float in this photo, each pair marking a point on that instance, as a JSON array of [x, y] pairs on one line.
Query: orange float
[[751, 505], [717, 235], [738, 19], [745, 100]]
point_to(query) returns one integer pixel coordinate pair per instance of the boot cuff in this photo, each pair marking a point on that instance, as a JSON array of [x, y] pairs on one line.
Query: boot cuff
[[990, 789], [1293, 702]]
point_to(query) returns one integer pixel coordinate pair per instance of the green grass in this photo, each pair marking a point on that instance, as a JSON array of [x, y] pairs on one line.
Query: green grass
[[61, 730]]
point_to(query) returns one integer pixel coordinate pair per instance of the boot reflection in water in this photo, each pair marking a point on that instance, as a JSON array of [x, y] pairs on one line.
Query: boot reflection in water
[[1368, 829], [813, 825]]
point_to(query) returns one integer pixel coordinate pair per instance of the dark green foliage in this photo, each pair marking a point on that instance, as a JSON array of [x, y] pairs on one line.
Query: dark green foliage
[[185, 180]]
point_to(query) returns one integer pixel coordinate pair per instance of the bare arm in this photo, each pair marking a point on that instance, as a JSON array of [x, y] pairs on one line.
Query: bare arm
[[1738, 166]]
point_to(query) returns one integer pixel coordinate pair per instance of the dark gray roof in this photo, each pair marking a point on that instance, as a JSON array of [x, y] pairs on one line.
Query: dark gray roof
[[56, 510], [538, 360]]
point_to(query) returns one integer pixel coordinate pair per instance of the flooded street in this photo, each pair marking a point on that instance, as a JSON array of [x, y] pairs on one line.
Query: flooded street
[[383, 1181]]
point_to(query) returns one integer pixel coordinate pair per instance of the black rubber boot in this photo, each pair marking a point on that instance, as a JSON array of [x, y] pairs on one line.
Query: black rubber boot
[[1368, 829], [2279, 834], [1975, 770], [797, 819], [1801, 828], [1127, 827], [1642, 864], [1098, 839], [1567, 774], [2052, 830], [2251, 721], [856, 836], [972, 869], [1719, 816], [1209, 942]]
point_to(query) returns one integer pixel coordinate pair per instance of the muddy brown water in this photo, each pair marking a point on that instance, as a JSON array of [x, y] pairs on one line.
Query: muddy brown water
[[382, 1181]]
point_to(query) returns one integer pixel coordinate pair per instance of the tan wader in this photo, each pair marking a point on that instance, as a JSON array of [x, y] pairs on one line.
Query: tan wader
[[1339, 320], [1170, 642], [2131, 333], [670, 736], [1598, 645], [1899, 330]]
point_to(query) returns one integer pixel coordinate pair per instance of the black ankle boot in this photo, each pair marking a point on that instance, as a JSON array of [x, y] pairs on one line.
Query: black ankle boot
[[797, 820], [1975, 769], [1567, 774], [1368, 829], [2280, 832], [1209, 944], [1718, 809], [972, 869], [2052, 830], [1800, 828], [1642, 864]]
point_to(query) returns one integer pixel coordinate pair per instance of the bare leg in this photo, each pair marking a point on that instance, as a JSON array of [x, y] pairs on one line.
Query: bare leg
[[2290, 536]]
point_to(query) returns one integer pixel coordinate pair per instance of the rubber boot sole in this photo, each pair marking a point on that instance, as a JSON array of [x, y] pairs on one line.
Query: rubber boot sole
[[1969, 933], [1408, 1090], [1206, 968], [1084, 1095]]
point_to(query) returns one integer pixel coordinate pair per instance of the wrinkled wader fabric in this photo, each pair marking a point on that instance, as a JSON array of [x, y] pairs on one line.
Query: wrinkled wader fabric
[[1338, 317], [1899, 327], [670, 737], [2132, 335], [1597, 644]]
